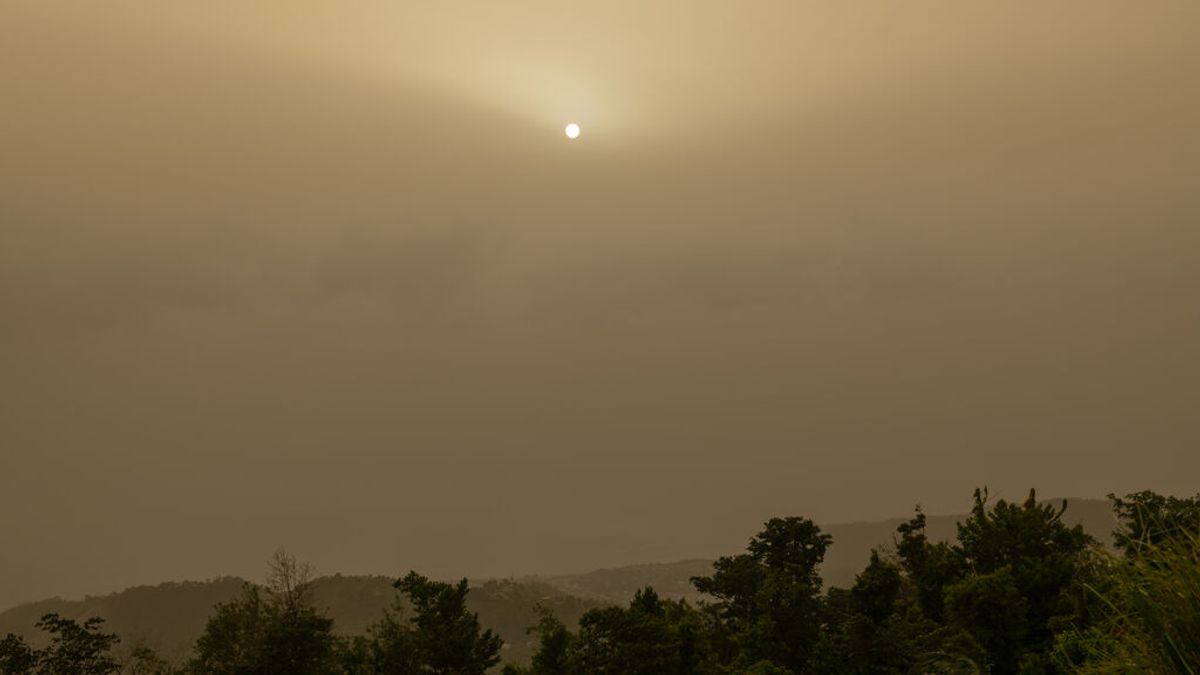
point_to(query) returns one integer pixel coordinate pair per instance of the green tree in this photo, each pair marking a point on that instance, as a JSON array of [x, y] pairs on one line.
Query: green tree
[[1042, 554], [876, 590], [932, 566], [439, 638], [447, 638], [1012, 581], [1149, 598], [271, 632], [1148, 519], [877, 627], [651, 636], [768, 599], [1023, 562], [143, 661], [74, 649], [554, 645], [388, 648], [992, 609]]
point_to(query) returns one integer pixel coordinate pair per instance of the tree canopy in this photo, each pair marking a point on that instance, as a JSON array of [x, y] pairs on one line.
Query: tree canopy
[[1017, 591]]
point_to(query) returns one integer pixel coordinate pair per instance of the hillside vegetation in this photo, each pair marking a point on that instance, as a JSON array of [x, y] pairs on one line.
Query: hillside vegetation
[[1007, 588]]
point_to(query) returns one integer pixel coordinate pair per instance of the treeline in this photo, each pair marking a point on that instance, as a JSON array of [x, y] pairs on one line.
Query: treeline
[[1017, 592]]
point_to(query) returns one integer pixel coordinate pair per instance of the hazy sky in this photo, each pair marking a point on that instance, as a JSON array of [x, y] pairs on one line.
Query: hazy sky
[[329, 276]]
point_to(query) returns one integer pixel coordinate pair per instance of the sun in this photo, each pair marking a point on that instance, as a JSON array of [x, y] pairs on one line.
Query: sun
[[572, 130]]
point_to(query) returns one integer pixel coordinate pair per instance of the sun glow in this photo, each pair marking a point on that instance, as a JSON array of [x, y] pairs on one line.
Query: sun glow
[[572, 130]]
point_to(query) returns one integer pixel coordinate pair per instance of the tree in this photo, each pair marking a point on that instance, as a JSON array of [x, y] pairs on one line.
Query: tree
[[1012, 580], [439, 638], [992, 609], [554, 645], [877, 627], [1149, 598], [768, 599], [275, 631], [651, 636], [1148, 519], [74, 649], [931, 566], [143, 661], [1023, 561], [876, 589], [17, 657], [389, 648], [448, 639]]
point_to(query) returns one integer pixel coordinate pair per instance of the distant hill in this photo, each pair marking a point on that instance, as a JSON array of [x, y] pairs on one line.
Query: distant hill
[[168, 617], [618, 584]]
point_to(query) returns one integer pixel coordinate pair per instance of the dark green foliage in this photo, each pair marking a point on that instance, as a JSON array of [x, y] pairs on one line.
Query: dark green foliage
[[1023, 561], [441, 638], [388, 648], [878, 627], [1011, 581], [853, 641], [447, 638], [16, 657], [874, 631], [279, 632], [651, 636], [768, 600], [1149, 519], [931, 566], [74, 649], [554, 652], [990, 602], [992, 609], [276, 632], [253, 635], [1149, 598], [144, 661], [876, 590]]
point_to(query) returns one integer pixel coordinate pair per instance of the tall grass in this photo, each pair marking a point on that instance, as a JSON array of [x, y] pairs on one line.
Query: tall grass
[[1150, 608]]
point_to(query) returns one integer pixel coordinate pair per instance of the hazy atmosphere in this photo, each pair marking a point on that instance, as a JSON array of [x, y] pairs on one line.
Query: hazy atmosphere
[[287, 274]]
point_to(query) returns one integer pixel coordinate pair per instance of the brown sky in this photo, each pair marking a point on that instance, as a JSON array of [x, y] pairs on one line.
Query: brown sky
[[328, 276]]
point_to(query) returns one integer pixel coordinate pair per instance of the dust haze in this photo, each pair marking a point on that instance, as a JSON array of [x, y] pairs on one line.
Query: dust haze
[[330, 276]]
